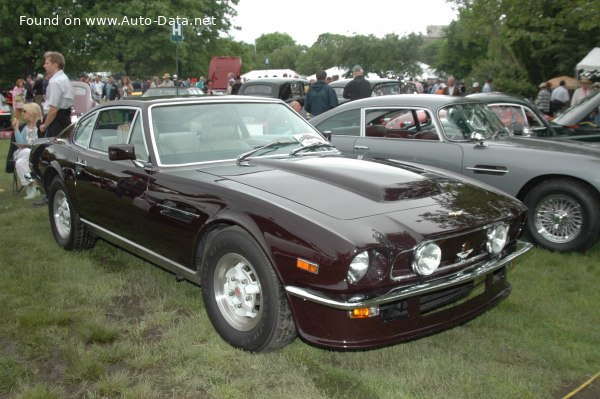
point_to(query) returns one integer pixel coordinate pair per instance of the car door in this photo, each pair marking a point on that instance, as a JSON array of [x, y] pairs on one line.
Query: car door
[[110, 193], [408, 134]]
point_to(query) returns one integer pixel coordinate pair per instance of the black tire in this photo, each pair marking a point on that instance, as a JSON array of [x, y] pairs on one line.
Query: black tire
[[563, 215], [67, 229], [242, 295]]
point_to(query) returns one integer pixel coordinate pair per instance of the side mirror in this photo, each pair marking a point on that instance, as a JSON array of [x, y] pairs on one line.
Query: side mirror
[[120, 152], [327, 135]]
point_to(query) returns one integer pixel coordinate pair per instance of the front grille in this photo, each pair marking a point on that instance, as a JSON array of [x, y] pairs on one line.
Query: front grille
[[458, 252], [427, 303]]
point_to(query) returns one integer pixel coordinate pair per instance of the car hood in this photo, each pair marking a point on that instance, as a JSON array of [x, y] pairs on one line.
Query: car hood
[[542, 144], [348, 188]]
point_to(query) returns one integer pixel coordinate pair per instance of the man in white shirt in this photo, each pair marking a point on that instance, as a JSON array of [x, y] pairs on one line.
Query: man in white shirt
[[559, 99], [97, 87], [59, 96], [582, 92]]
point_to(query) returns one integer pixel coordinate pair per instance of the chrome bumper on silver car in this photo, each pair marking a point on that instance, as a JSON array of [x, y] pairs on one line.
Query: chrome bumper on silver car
[[416, 289]]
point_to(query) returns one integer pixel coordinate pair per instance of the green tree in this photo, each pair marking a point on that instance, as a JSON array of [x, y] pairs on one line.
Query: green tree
[[133, 47]]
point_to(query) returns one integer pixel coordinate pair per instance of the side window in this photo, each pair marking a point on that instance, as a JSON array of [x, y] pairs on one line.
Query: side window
[[138, 141], [112, 127], [344, 124], [400, 124], [512, 116], [84, 131], [532, 118]]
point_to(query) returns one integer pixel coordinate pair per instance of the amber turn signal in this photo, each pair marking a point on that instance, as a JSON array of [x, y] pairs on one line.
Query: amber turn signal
[[307, 266]]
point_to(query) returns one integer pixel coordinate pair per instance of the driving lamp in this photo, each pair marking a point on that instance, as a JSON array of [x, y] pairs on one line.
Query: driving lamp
[[358, 267], [497, 236], [427, 259]]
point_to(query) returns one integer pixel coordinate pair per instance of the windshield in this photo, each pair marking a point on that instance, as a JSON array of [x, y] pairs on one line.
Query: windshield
[[461, 121], [193, 133]]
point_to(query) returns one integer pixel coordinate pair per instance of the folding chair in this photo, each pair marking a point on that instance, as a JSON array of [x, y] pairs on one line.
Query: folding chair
[[10, 166]]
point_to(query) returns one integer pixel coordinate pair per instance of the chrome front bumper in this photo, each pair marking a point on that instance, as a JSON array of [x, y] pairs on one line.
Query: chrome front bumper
[[416, 289]]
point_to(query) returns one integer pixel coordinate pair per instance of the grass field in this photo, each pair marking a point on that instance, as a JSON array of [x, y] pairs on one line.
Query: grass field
[[105, 324]]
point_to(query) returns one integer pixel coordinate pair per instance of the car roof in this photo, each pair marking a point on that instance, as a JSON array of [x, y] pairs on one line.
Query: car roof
[[420, 100], [499, 97], [145, 102], [273, 81], [344, 82]]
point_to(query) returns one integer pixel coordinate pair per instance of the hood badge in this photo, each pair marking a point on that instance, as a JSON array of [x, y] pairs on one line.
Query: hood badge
[[465, 252], [457, 213]]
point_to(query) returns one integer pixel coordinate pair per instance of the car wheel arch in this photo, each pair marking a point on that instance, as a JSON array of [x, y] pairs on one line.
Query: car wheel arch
[[215, 226], [534, 182], [562, 213]]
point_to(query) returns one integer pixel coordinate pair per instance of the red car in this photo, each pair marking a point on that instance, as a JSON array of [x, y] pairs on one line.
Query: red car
[[286, 236]]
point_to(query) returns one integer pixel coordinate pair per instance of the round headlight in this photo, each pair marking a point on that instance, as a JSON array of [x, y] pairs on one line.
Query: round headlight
[[358, 267], [497, 236], [427, 259]]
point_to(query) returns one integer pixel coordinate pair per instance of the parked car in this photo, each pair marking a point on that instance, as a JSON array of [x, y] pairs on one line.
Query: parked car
[[286, 89], [557, 180], [286, 236], [82, 99], [583, 119], [580, 123], [174, 91], [379, 87]]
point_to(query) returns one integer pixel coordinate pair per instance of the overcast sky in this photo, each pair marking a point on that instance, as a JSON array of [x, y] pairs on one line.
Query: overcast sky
[[305, 20]]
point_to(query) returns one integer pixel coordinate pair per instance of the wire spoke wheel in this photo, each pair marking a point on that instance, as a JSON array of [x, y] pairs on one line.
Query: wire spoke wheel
[[559, 218]]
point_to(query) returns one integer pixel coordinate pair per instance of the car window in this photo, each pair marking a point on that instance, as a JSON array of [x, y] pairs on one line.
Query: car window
[[112, 127], [386, 89], [192, 133], [461, 121], [403, 123], [84, 131], [259, 90], [345, 123], [138, 141]]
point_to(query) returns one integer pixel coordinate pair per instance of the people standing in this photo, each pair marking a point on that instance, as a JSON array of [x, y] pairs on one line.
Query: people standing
[[487, 87], [167, 82], [18, 99], [559, 99], [24, 138], [59, 95], [96, 86], [38, 90], [320, 97], [542, 102], [582, 92], [451, 89], [110, 91], [358, 87], [127, 88], [29, 93]]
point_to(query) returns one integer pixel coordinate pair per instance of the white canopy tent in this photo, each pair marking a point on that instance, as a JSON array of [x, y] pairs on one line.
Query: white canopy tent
[[270, 73], [590, 64]]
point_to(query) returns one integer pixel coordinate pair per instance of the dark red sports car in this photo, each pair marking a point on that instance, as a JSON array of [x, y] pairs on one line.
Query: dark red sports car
[[286, 236]]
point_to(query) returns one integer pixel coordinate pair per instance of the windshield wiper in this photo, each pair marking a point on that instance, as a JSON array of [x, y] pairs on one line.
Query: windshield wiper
[[274, 145], [311, 146]]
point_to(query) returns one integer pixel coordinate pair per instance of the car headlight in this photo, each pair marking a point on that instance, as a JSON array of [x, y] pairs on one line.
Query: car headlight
[[427, 259], [358, 267], [497, 236]]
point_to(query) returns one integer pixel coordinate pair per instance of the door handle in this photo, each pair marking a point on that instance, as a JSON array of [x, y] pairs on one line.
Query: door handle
[[361, 147], [82, 164]]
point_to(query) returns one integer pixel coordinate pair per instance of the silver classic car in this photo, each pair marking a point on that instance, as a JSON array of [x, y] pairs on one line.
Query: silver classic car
[[558, 180]]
